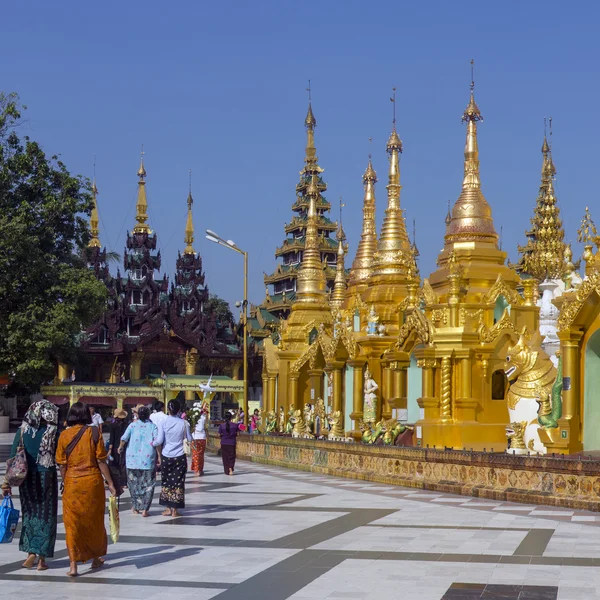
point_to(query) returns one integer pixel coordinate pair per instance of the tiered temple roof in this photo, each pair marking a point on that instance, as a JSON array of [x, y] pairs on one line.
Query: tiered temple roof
[[291, 251]]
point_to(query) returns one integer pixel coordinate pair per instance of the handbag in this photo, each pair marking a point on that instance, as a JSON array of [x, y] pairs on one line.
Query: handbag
[[113, 517], [16, 467], [9, 517], [187, 448]]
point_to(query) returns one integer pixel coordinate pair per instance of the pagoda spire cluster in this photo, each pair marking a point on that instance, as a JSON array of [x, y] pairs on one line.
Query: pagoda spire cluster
[[543, 257], [142, 307]]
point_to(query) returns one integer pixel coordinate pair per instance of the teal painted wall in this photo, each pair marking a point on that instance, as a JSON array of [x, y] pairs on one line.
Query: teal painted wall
[[348, 397], [591, 394], [415, 390]]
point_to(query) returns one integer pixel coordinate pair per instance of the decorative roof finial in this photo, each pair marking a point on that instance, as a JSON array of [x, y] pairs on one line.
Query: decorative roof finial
[[471, 218], [394, 143], [362, 266], [142, 203], [142, 171], [189, 225], [310, 120], [414, 243], [94, 218], [339, 285]]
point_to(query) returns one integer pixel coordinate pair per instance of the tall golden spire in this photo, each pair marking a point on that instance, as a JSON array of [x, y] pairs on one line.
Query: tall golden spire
[[471, 218], [94, 219], [141, 207], [310, 123], [311, 283], [189, 225], [543, 256], [393, 248], [362, 266], [339, 284]]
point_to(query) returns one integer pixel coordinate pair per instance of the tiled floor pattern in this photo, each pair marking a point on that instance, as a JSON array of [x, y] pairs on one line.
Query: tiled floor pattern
[[274, 533]]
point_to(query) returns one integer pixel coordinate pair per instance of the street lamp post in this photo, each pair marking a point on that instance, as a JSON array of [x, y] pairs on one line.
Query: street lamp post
[[213, 237]]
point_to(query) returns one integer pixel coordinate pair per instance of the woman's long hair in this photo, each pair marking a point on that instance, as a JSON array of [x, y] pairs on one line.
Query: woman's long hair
[[227, 421]]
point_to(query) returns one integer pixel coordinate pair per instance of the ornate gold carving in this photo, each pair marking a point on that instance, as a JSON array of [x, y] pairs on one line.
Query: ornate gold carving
[[427, 293], [426, 363], [465, 313], [501, 289], [488, 335], [574, 302], [440, 315], [415, 321], [446, 389]]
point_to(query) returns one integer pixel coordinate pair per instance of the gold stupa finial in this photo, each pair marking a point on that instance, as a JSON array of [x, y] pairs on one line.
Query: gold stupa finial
[[310, 123], [362, 267], [339, 284], [587, 232], [141, 206], [311, 281], [393, 256], [543, 256], [189, 225], [394, 143], [471, 217], [94, 217]]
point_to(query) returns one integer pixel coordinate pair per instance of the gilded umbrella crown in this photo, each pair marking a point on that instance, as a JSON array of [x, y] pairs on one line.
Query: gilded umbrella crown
[[394, 143], [370, 174], [310, 120]]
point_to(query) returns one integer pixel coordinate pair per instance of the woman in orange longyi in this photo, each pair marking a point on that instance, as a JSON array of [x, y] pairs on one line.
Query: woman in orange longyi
[[81, 456]]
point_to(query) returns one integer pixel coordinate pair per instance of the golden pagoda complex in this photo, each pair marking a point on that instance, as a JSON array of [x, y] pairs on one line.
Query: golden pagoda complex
[[332, 344], [284, 279]]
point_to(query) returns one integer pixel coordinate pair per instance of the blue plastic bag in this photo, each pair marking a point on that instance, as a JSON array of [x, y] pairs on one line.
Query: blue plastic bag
[[9, 518]]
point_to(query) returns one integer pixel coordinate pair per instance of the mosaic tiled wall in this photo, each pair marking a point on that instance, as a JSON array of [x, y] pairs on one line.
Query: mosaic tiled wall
[[553, 481]]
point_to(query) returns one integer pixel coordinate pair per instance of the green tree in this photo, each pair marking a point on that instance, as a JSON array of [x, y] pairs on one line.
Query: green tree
[[47, 294], [221, 308]]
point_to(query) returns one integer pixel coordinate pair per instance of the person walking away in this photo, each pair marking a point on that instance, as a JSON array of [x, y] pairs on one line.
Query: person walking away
[[173, 461], [117, 460], [199, 443], [39, 492], [81, 456], [97, 420], [159, 414], [228, 433], [141, 461]]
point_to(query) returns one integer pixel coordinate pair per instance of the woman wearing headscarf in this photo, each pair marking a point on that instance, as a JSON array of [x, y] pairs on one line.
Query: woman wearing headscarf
[[39, 492], [81, 455], [174, 461], [141, 461]]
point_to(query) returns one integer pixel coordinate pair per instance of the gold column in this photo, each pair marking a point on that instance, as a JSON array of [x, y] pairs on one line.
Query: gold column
[[63, 372], [337, 390], [265, 386], [428, 401], [316, 384], [357, 395], [235, 370], [135, 362], [571, 361], [191, 362], [446, 390], [272, 391], [388, 392], [292, 398]]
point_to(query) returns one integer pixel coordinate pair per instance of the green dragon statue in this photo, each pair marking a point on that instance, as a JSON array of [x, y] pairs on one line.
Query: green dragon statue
[[370, 436], [550, 409]]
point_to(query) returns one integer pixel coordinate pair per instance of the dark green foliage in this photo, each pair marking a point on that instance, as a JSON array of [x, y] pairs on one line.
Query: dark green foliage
[[47, 293]]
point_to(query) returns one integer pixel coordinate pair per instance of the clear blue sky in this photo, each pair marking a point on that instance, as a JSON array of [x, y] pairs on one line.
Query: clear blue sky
[[219, 87]]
